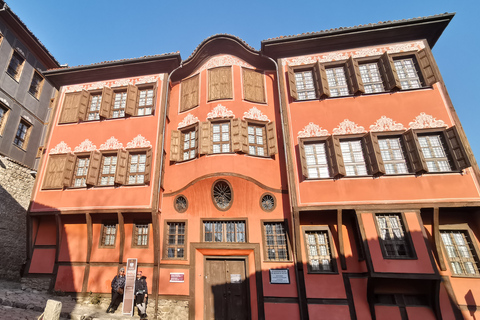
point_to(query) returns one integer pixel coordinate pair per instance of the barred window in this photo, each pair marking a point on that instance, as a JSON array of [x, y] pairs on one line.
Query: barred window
[[256, 140], [337, 81], [36, 84], [353, 158], [22, 134], [224, 231], [393, 241], [141, 235], [392, 155], [136, 170], [109, 167], [461, 253], [109, 233], [189, 139], [407, 73], [175, 242], [16, 65], [94, 107], [119, 103], [372, 80], [319, 251], [275, 241], [305, 85], [433, 151], [221, 137], [316, 159], [80, 173], [145, 101]]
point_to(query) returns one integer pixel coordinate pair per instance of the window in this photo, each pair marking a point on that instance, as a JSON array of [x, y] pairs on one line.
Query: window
[[224, 231], [119, 103], [392, 237], [372, 80], [36, 85], [407, 73], [319, 252], [184, 144], [221, 137], [81, 171], [189, 93], [393, 155], [222, 195], [433, 151], [305, 85], [189, 139], [275, 241], [268, 202], [23, 134], [16, 65], [460, 252], [94, 107], [353, 158], [316, 160], [253, 86], [175, 240], [140, 235], [337, 81], [145, 101], [109, 167], [137, 168], [220, 83], [4, 112], [108, 235], [59, 171], [180, 203], [256, 140]]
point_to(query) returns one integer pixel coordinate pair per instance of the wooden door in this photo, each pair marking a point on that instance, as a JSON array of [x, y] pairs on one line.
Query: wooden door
[[226, 290]]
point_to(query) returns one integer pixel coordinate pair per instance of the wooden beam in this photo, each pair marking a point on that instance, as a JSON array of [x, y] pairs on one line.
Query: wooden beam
[[341, 248], [86, 272], [156, 258], [121, 226], [437, 239]]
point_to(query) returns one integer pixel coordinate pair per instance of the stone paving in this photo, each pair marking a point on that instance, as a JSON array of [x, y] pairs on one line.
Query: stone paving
[[17, 303]]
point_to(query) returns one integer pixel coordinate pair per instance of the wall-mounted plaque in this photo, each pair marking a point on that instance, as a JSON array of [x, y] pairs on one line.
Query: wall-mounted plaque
[[177, 277], [279, 276]]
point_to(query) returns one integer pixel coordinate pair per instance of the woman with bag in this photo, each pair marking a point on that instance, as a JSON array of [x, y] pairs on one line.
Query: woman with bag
[[118, 284], [141, 295]]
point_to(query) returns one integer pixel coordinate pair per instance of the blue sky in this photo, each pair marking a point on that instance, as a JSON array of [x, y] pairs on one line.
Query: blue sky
[[90, 31]]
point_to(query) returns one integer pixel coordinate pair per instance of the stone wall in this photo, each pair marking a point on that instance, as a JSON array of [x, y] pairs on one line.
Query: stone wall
[[16, 184], [172, 310]]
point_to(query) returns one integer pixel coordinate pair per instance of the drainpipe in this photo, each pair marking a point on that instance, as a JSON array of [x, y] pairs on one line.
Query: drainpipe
[[302, 315]]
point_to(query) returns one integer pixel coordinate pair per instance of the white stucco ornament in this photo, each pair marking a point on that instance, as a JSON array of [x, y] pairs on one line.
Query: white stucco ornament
[[348, 127], [426, 121], [386, 124], [220, 112], [62, 147], [111, 144], [255, 114], [189, 119], [86, 146], [139, 142], [312, 130]]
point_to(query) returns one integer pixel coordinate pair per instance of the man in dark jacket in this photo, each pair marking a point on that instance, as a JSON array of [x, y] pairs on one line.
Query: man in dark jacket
[[118, 284], [141, 295]]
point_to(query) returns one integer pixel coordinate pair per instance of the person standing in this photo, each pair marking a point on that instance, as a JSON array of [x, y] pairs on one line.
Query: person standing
[[141, 295], [118, 284]]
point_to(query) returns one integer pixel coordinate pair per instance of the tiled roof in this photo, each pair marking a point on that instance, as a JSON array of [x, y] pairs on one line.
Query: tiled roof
[[218, 35], [360, 26]]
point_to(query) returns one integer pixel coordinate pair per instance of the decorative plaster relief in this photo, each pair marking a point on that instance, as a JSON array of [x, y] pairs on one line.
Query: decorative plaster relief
[[139, 142], [113, 84], [220, 112], [5, 102], [111, 144], [85, 146], [348, 127], [386, 124], [359, 53], [224, 60], [189, 119], [255, 114], [312, 130], [426, 121], [62, 147]]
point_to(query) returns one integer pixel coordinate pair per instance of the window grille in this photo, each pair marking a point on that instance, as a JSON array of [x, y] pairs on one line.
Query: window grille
[[224, 231], [175, 246], [392, 236], [461, 253], [275, 241], [305, 85]]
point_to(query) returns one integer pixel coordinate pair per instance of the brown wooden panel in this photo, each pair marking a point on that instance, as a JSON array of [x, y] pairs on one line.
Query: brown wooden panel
[[388, 69], [54, 173], [322, 83], [220, 83], [271, 139], [83, 100], [131, 104], [106, 104], [148, 166], [205, 141], [175, 141], [414, 153], [122, 163], [335, 156], [303, 158], [457, 151], [68, 170], [253, 86], [427, 64], [354, 79], [94, 167], [189, 93], [373, 155], [292, 83], [70, 108]]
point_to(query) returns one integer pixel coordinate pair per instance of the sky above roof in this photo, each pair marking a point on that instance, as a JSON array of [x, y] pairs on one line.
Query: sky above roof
[[92, 31]]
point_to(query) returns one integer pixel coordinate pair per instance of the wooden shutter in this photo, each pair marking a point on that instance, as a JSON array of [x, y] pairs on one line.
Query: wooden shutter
[[131, 105], [253, 86], [205, 139], [94, 167], [70, 108], [175, 145], [122, 166], [83, 100], [335, 156], [236, 135], [414, 153], [220, 83], [427, 64], [27, 136], [322, 83], [148, 166], [292, 83], [457, 151], [303, 158], [244, 135], [106, 104], [271, 139], [68, 169], [53, 178], [386, 64], [373, 159], [189, 93], [354, 79]]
